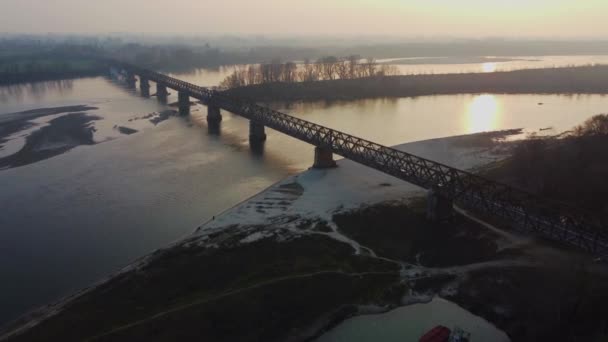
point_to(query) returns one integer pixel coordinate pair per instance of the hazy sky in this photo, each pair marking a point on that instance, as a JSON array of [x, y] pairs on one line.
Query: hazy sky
[[512, 18]]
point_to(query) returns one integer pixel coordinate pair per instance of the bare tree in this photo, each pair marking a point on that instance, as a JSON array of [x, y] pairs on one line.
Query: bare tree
[[326, 68], [353, 66], [276, 71], [290, 70], [253, 75], [328, 65], [234, 80], [265, 73], [308, 72], [318, 70], [596, 125], [387, 70], [370, 67], [342, 69]]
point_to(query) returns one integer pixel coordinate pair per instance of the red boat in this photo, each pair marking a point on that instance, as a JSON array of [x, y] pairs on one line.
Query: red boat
[[437, 334], [443, 334]]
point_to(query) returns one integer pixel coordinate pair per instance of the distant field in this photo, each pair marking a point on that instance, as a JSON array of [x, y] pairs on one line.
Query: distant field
[[570, 80]]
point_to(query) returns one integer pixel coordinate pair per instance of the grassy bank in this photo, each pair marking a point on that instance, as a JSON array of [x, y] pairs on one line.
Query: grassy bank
[[573, 80], [294, 287], [225, 291]]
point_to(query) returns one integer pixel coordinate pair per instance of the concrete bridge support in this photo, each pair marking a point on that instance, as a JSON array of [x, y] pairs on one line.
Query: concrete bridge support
[[161, 92], [214, 128], [144, 86], [183, 102], [257, 133], [214, 115], [439, 207], [130, 79], [324, 158]]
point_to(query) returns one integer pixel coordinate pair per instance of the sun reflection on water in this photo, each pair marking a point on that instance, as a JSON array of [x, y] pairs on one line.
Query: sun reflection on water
[[482, 114], [488, 67]]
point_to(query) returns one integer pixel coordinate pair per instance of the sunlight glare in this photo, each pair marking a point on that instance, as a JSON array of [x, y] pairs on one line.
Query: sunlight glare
[[488, 67], [482, 114]]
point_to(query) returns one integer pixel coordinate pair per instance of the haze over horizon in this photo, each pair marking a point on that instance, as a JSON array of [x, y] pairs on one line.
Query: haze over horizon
[[465, 18]]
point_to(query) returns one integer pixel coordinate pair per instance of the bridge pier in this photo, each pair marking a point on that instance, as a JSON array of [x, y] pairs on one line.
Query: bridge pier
[[214, 128], [183, 102], [257, 133], [161, 92], [144, 86], [214, 114], [324, 158], [130, 79], [439, 207]]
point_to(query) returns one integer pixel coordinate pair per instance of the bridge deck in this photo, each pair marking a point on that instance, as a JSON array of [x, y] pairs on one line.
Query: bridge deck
[[527, 212]]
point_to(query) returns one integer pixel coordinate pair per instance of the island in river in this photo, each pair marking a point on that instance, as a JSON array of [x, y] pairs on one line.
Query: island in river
[[297, 260], [571, 80]]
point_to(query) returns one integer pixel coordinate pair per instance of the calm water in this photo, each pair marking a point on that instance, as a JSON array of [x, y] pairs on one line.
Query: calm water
[[410, 322], [206, 77], [443, 65], [67, 221]]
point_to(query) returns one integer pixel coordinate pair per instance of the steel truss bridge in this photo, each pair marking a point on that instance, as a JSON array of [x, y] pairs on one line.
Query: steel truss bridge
[[522, 210]]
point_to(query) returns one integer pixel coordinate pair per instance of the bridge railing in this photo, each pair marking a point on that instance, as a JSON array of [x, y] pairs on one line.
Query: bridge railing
[[528, 212]]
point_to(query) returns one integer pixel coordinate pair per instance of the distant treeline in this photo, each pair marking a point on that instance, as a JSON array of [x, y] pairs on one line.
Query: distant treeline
[[172, 58], [16, 78], [46, 66], [326, 68], [571, 80], [175, 55], [184, 58]]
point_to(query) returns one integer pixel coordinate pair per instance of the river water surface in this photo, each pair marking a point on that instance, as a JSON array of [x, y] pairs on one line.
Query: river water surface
[[433, 65], [410, 322], [69, 220]]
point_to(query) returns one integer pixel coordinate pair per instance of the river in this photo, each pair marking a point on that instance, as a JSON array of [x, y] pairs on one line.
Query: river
[[72, 219], [432, 65]]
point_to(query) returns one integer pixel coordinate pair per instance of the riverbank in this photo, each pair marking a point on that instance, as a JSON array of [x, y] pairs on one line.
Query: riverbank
[[319, 247], [573, 80]]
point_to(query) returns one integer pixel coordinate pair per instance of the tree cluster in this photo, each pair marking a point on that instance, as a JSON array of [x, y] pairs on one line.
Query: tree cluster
[[596, 125], [323, 69], [567, 168]]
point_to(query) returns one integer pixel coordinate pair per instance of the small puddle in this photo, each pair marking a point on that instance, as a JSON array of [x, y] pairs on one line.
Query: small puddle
[[409, 323]]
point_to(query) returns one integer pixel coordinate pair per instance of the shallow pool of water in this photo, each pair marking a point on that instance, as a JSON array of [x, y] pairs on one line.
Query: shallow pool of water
[[409, 323]]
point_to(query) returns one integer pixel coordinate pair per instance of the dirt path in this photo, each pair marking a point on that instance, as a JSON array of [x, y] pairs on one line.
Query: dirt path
[[230, 293]]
